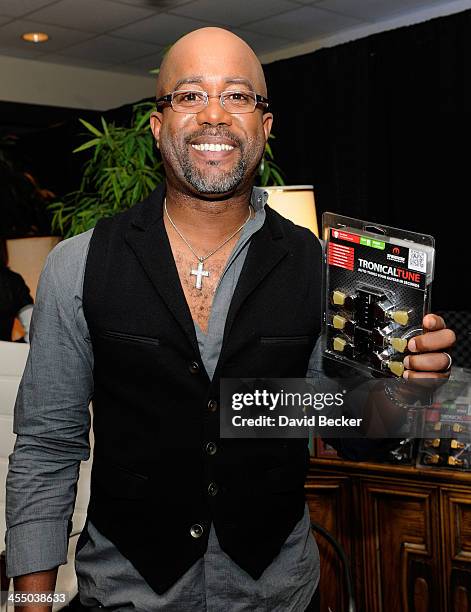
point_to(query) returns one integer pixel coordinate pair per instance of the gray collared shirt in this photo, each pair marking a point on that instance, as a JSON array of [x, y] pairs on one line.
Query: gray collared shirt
[[52, 424]]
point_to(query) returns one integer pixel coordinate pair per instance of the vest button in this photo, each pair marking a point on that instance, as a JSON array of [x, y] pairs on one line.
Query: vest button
[[212, 405], [212, 489], [196, 530], [194, 367], [211, 448]]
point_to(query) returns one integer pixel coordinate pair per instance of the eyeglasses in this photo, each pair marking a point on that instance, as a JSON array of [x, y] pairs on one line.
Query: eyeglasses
[[194, 101]]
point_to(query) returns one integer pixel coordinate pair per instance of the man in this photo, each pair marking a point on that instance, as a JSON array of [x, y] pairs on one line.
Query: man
[[145, 315]]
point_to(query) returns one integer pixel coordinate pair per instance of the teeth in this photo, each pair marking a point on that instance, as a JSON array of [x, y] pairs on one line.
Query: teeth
[[212, 147]]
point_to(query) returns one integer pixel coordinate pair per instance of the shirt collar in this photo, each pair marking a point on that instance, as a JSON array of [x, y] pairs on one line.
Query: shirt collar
[[259, 198]]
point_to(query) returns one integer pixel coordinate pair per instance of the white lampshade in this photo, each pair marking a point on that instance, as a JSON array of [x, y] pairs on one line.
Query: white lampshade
[[295, 202]]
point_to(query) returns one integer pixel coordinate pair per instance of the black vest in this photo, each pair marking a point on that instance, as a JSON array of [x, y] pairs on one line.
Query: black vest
[[161, 474]]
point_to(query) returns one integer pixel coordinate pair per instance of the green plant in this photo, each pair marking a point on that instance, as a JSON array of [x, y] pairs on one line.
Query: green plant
[[123, 169], [269, 173]]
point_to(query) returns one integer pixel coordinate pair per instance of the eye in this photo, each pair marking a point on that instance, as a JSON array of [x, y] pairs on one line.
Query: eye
[[188, 98], [239, 98]]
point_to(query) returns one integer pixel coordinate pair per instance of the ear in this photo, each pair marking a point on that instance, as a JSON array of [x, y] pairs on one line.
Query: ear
[[156, 125], [267, 120]]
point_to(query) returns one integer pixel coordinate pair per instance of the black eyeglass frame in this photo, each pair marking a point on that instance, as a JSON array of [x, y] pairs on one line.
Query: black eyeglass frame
[[168, 99]]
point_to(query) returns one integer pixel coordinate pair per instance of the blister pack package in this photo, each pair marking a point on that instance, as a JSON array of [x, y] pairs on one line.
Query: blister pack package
[[446, 438], [377, 287]]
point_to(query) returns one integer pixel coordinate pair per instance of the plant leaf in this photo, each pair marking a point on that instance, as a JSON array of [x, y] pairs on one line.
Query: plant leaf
[[91, 128], [87, 145]]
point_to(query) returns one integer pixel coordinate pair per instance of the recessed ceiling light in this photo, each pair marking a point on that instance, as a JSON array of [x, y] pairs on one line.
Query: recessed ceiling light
[[35, 37]]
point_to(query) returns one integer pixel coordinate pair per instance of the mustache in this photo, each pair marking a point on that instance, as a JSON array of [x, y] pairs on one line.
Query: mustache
[[218, 133]]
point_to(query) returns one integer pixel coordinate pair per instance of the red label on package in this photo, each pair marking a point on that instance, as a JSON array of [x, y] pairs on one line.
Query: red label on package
[[340, 235], [341, 256]]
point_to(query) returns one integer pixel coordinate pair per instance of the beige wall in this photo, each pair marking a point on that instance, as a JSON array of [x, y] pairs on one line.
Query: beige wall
[[35, 82], [27, 256]]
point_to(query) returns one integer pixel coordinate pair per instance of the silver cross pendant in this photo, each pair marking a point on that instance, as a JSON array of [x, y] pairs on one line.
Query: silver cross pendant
[[199, 273]]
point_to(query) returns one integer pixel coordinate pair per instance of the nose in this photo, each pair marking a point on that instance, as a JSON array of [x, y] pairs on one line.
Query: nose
[[214, 113]]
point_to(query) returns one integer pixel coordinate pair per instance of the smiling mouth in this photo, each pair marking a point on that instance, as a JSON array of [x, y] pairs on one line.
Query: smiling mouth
[[211, 146]]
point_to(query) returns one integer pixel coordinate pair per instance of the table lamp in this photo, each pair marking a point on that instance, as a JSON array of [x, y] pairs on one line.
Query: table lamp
[[295, 202]]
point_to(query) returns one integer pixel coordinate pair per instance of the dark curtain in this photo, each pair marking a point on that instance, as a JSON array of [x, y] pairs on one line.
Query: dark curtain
[[38, 141], [36, 144], [381, 128]]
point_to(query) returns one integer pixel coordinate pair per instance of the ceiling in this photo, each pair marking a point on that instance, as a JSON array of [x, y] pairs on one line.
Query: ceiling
[[131, 35]]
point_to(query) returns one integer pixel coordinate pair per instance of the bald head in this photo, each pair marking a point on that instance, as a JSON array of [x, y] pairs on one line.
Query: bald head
[[215, 149], [210, 53]]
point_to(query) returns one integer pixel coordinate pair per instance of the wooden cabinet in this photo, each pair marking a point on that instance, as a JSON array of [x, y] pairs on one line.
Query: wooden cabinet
[[406, 531], [329, 503], [456, 513], [401, 543]]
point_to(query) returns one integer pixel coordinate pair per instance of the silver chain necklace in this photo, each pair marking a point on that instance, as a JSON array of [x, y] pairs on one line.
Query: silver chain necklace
[[200, 272]]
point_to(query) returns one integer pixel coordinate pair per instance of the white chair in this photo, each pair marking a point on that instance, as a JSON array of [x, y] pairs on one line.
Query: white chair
[[12, 363]]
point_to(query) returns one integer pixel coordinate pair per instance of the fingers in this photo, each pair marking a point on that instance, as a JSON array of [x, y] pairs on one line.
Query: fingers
[[411, 375], [432, 361], [433, 322], [440, 340], [428, 362]]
